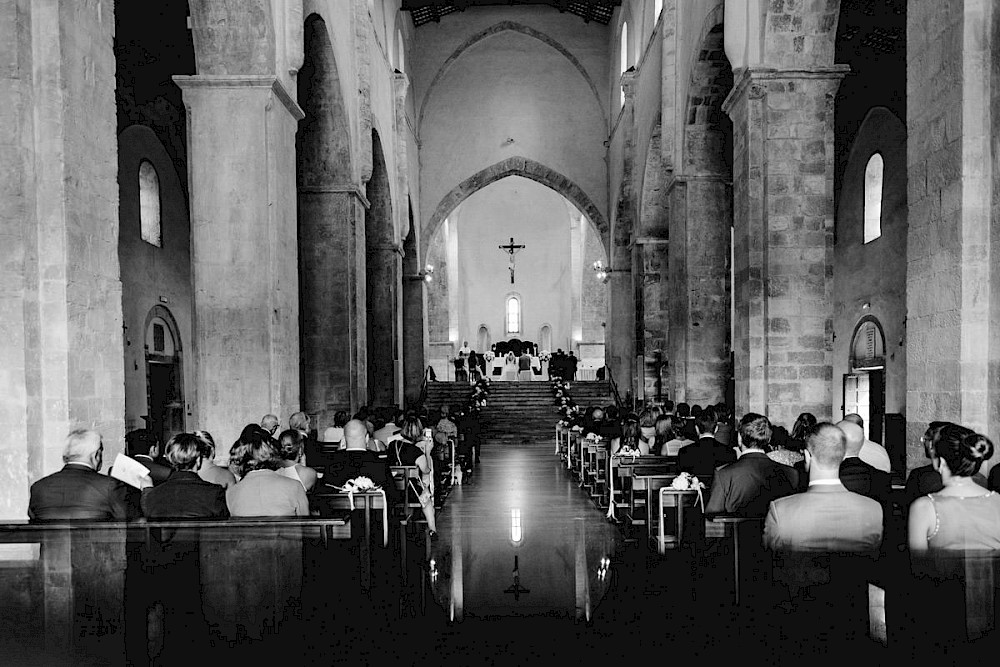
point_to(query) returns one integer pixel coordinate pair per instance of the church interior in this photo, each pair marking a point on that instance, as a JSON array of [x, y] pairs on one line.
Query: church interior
[[215, 210]]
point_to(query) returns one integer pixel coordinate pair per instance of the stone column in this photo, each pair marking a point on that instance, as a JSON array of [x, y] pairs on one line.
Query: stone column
[[700, 218], [60, 295], [332, 356], [953, 303], [783, 223], [241, 137], [384, 270], [653, 294]]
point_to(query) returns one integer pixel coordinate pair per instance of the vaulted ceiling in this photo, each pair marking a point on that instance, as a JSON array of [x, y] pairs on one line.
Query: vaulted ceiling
[[426, 11]]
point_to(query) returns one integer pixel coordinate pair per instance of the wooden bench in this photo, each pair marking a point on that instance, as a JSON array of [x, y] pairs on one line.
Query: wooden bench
[[618, 477]]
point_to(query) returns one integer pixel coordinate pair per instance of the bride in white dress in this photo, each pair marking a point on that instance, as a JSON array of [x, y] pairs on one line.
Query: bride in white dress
[[510, 367]]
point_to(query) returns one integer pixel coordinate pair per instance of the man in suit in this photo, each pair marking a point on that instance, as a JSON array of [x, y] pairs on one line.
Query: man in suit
[[871, 453], [144, 447], [185, 495], [705, 454], [827, 517], [857, 475], [356, 460], [79, 491], [747, 487], [571, 363]]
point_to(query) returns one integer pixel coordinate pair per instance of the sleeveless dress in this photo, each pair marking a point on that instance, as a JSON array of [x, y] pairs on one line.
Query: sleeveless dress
[[969, 522], [291, 473]]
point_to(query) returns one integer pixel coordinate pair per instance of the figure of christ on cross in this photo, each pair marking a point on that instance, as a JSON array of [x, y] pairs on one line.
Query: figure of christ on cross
[[511, 249]]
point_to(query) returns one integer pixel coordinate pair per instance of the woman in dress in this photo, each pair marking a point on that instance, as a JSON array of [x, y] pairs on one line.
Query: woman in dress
[[647, 425], [210, 472], [630, 442], [261, 491], [409, 451], [291, 446], [784, 449], [510, 366], [673, 446], [962, 515]]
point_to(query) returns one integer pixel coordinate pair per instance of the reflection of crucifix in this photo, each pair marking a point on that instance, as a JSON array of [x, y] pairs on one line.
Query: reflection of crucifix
[[512, 249], [517, 588]]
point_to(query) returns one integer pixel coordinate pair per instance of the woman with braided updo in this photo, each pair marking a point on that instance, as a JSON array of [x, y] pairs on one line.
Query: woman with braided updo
[[962, 515]]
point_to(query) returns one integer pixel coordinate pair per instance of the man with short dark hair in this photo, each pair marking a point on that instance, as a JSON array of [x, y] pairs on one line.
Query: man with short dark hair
[[747, 487], [705, 454], [144, 447], [79, 491], [185, 495], [827, 517]]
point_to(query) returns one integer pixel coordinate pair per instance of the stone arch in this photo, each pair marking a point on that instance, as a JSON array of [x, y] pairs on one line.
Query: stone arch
[[383, 267], [495, 29], [706, 126], [514, 166], [327, 209]]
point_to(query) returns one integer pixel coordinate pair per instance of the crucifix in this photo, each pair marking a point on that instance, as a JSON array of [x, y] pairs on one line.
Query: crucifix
[[512, 250], [517, 589]]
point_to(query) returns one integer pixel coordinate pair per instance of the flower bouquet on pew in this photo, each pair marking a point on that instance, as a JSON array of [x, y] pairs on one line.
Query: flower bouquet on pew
[[362, 484], [685, 481]]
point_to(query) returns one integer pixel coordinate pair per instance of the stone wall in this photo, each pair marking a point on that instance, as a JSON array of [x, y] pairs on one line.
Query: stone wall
[[152, 276], [872, 273]]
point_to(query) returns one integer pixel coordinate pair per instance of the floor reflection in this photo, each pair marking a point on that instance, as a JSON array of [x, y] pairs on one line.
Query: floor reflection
[[523, 540]]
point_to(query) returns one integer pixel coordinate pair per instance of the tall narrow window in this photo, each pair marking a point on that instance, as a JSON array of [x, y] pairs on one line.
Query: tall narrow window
[[624, 55], [513, 315], [149, 204], [657, 8], [400, 52], [873, 198]]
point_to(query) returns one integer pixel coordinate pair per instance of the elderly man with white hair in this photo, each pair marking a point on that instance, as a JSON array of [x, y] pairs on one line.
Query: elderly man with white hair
[[79, 491]]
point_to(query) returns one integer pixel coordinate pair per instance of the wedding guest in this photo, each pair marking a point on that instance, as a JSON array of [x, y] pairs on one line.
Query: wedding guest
[[677, 440], [406, 452], [270, 424], [871, 453], [926, 479], [356, 460], [962, 515], [630, 443], [647, 425], [144, 447], [783, 448], [209, 471], [703, 456], [291, 444], [185, 495], [857, 475], [261, 491], [724, 427]]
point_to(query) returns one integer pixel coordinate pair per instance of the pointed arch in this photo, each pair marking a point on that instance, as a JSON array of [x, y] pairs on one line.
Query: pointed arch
[[495, 29], [513, 166]]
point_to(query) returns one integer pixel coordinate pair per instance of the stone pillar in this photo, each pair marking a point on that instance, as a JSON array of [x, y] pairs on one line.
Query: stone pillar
[[654, 297], [384, 272], [241, 137], [414, 338], [783, 223], [953, 303], [330, 270], [60, 294], [700, 218]]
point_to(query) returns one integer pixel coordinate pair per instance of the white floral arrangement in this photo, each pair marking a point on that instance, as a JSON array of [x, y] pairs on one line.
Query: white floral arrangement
[[359, 485], [685, 481]]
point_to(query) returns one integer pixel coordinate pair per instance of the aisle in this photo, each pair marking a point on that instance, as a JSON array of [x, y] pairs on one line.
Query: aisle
[[524, 504]]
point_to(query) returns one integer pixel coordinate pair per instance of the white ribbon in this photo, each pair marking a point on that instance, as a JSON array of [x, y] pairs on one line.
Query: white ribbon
[[385, 505]]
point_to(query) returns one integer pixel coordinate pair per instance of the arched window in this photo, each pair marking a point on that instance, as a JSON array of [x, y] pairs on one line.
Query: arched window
[[513, 315], [545, 338], [149, 204], [483, 338], [624, 54], [873, 198], [657, 8], [400, 52]]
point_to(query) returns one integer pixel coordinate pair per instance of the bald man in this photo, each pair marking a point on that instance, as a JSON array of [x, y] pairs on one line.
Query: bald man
[[827, 517], [858, 476], [356, 460], [872, 453]]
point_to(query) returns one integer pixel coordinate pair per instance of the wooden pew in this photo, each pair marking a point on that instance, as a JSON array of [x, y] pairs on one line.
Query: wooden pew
[[642, 491], [682, 501], [618, 479]]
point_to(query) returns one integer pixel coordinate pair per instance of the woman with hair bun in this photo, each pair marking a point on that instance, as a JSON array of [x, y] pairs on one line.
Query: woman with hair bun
[[962, 515]]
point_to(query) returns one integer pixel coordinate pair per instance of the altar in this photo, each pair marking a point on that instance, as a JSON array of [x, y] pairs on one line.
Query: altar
[[539, 370]]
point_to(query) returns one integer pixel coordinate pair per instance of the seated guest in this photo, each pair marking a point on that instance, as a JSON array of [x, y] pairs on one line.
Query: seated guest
[[724, 428], [857, 475], [356, 460], [390, 429], [703, 456], [827, 517], [684, 412], [593, 421], [630, 443], [261, 491], [782, 448], [270, 424], [185, 495], [962, 515], [301, 422], [333, 437], [144, 447], [926, 479], [804, 423], [647, 425], [747, 487], [291, 444], [79, 491], [209, 471], [404, 451], [674, 429], [872, 453]]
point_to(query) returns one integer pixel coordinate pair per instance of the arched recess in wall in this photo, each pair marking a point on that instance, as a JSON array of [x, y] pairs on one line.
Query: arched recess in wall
[[382, 276], [515, 166], [327, 209], [483, 340], [545, 338], [164, 374], [496, 29]]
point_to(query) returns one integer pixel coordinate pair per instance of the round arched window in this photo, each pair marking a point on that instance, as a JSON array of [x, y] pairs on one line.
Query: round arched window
[[149, 204], [513, 315], [873, 197]]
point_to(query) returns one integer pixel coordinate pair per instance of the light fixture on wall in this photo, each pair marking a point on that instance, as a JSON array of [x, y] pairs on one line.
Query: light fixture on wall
[[427, 275], [601, 271]]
